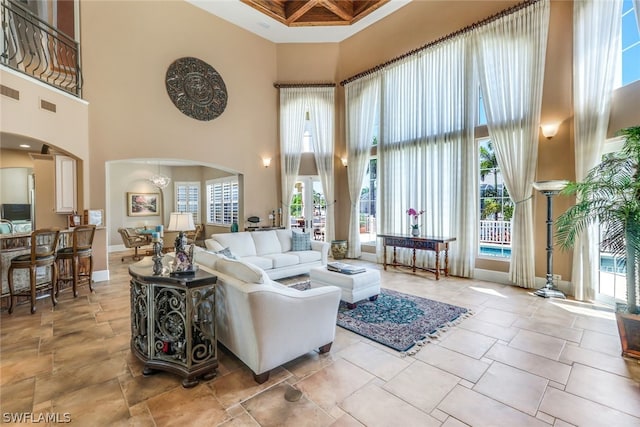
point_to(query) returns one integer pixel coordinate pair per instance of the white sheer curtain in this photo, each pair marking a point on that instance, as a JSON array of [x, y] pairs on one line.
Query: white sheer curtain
[[596, 45], [321, 101], [292, 116], [362, 99], [426, 151], [511, 55]]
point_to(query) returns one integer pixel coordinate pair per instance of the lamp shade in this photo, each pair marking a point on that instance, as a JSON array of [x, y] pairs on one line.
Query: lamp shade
[[181, 221], [553, 185]]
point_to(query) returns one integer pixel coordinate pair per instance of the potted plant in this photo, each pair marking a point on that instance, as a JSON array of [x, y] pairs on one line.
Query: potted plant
[[415, 214], [610, 196]]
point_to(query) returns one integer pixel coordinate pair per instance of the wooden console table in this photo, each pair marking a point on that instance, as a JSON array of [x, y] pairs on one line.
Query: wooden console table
[[436, 244], [173, 322]]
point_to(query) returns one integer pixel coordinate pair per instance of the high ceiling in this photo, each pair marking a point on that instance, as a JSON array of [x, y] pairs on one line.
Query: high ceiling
[[295, 13], [312, 21]]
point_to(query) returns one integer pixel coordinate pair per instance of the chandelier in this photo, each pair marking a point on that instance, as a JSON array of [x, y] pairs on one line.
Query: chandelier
[[160, 181]]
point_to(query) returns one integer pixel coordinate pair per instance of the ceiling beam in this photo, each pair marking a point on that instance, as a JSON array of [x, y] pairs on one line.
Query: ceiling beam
[[274, 9], [343, 9], [296, 9], [298, 13], [364, 8]]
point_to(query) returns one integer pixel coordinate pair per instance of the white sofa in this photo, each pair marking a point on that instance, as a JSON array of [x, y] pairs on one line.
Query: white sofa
[[265, 323], [271, 250]]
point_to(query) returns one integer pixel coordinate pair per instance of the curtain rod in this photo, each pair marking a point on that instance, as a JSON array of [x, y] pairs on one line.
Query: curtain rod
[[289, 85], [442, 39]]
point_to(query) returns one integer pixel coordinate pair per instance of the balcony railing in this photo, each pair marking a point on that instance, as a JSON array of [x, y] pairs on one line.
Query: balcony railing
[[33, 47], [495, 232]]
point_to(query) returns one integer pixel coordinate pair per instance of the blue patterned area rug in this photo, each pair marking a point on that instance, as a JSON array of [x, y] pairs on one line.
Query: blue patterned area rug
[[400, 321]]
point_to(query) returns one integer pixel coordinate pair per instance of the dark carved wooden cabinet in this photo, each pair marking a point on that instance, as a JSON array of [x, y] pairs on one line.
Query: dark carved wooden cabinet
[[173, 323]]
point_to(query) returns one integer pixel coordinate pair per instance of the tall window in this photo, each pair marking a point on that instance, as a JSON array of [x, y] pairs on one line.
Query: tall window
[[368, 203], [307, 146], [613, 272], [496, 207], [187, 199], [630, 44], [222, 201], [482, 114], [308, 206]]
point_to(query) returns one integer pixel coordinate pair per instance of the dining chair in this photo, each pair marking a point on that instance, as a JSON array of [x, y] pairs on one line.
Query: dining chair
[[81, 249], [42, 254]]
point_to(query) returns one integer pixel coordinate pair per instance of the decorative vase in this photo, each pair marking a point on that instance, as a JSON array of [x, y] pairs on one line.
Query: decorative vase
[[338, 249], [415, 231]]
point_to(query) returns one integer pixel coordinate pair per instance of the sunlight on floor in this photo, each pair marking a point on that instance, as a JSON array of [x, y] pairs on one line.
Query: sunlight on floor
[[602, 312], [491, 292]]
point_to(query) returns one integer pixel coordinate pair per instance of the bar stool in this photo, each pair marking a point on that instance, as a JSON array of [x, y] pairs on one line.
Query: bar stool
[[42, 254], [80, 249]]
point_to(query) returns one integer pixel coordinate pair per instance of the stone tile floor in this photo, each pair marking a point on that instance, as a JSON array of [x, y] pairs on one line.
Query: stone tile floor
[[520, 360]]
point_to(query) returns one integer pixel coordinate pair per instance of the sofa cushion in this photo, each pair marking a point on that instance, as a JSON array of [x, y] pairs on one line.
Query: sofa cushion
[[300, 241], [266, 242], [206, 258], [240, 270], [283, 260], [285, 239], [307, 256], [213, 245], [241, 244], [259, 261]]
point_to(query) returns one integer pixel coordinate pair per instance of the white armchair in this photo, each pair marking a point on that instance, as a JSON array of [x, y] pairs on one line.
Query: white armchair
[[255, 315]]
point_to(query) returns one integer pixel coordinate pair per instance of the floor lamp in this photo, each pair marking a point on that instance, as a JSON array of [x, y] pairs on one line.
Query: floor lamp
[[549, 189]]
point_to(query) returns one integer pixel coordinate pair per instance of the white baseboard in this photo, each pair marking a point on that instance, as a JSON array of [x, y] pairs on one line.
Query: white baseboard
[[100, 276], [368, 256], [116, 248], [503, 278], [492, 276]]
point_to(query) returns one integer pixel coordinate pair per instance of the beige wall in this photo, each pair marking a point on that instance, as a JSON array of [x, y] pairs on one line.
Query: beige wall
[[15, 159], [428, 21], [131, 116], [132, 176], [136, 100], [66, 131]]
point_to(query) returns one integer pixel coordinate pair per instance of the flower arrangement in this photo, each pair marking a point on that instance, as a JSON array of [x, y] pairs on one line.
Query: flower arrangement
[[415, 214]]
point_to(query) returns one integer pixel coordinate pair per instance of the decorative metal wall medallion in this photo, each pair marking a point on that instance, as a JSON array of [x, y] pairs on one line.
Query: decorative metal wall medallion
[[196, 88]]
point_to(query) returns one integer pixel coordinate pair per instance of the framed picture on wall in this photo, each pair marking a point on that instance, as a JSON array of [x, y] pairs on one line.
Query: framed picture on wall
[[142, 204]]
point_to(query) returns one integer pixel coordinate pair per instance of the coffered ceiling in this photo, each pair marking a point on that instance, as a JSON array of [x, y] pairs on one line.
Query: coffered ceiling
[[294, 13], [292, 21]]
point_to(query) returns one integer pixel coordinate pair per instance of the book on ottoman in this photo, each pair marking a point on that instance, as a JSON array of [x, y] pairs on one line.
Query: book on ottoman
[[343, 268]]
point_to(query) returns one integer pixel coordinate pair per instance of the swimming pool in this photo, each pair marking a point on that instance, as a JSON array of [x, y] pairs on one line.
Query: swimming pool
[[608, 263], [496, 251]]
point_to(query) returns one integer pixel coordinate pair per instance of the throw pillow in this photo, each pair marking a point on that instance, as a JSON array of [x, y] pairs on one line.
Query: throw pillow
[[300, 241], [227, 252], [240, 270]]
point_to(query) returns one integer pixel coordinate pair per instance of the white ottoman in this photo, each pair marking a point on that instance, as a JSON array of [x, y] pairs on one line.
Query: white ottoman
[[355, 287]]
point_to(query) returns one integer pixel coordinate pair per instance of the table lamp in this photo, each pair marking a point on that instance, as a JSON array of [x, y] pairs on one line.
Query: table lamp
[[183, 261]]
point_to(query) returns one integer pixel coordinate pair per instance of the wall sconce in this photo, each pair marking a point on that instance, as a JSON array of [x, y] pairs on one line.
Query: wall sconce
[[344, 161], [550, 130], [266, 162]]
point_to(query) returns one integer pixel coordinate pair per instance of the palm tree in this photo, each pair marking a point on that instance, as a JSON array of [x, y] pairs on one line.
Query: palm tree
[[489, 164], [610, 196]]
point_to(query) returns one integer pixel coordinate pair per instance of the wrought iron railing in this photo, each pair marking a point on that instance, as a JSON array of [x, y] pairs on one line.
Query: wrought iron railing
[[33, 47]]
